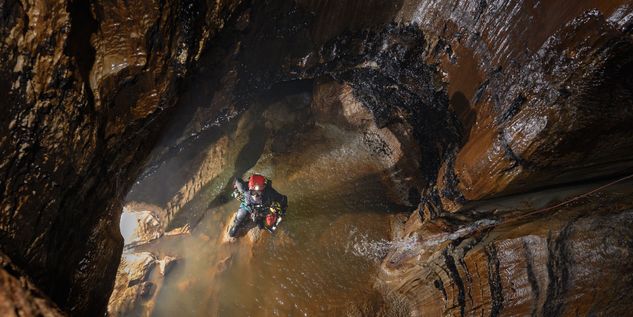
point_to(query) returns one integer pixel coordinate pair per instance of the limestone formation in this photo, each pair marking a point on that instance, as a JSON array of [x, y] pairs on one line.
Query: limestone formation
[[85, 89], [558, 262], [455, 105]]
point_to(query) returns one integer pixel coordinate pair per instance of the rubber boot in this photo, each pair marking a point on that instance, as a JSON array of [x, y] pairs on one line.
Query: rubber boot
[[233, 229]]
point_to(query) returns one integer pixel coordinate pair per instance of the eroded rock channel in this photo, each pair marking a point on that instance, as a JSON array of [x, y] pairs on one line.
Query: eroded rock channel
[[322, 148], [452, 158]]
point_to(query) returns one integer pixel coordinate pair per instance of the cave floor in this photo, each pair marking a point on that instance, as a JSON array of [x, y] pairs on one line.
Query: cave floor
[[322, 259]]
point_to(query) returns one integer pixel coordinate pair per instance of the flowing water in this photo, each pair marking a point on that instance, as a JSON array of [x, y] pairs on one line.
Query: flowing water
[[321, 261]]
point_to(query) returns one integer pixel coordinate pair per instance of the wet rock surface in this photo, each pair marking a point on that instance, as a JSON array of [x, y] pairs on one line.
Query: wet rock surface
[[138, 281], [518, 88], [451, 104], [84, 89], [556, 262]]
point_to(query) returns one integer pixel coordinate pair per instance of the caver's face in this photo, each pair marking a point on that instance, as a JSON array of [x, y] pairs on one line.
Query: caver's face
[[256, 196]]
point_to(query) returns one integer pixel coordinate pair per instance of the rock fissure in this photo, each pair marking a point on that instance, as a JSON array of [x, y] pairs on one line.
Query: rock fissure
[[457, 280], [494, 280], [531, 278]]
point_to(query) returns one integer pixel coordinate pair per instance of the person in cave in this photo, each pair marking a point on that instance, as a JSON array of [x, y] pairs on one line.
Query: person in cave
[[260, 201]]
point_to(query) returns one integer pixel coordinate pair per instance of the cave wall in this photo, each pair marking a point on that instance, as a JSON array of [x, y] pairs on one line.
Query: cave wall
[[18, 295], [277, 49], [542, 92], [85, 87], [572, 260], [502, 97]]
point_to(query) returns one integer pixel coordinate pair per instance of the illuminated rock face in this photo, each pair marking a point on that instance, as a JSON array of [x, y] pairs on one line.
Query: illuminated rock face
[[470, 99], [540, 103]]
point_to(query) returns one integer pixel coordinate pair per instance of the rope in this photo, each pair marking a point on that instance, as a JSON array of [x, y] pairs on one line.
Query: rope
[[578, 197]]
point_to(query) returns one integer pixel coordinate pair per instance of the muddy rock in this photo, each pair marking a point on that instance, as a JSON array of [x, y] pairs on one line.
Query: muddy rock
[[138, 281], [392, 147], [458, 102], [534, 111]]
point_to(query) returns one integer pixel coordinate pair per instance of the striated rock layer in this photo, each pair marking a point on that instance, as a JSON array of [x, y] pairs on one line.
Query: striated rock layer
[[566, 261], [541, 100], [543, 97], [501, 98]]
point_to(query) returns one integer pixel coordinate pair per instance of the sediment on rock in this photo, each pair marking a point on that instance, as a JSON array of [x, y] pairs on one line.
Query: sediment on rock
[[514, 123]]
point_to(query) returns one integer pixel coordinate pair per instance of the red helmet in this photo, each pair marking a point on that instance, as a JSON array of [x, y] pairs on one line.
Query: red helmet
[[256, 182]]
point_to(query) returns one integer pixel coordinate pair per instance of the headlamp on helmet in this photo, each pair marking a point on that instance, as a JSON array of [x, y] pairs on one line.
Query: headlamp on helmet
[[256, 182]]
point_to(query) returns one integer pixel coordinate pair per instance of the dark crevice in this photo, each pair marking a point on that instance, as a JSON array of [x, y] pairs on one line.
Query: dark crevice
[[514, 108], [469, 278], [479, 93], [494, 281], [451, 182], [457, 279], [440, 286], [531, 276], [558, 265], [82, 26]]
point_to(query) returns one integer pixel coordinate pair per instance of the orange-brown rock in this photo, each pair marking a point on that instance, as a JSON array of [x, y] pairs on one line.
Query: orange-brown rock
[[542, 97], [138, 281], [19, 297], [84, 88], [566, 261], [464, 100], [540, 104], [474, 99]]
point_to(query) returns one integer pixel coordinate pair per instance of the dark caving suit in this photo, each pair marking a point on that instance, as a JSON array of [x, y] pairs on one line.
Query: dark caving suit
[[256, 201]]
